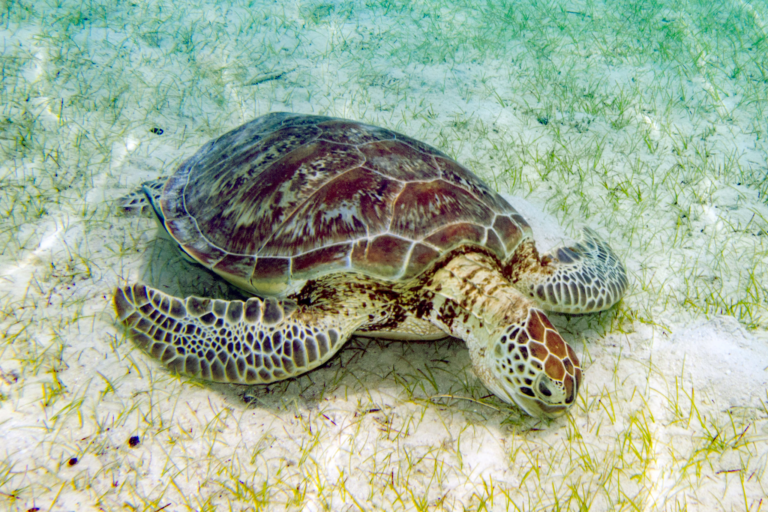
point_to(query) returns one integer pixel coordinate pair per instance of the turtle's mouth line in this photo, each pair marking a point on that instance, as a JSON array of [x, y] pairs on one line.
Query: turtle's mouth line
[[536, 408]]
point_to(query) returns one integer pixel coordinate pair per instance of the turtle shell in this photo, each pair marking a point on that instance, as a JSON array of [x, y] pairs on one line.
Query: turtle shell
[[286, 198]]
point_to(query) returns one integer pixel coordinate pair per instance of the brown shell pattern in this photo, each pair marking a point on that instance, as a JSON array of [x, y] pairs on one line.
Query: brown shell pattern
[[290, 197]]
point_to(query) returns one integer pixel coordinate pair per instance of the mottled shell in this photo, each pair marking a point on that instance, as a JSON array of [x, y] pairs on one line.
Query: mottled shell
[[287, 198]]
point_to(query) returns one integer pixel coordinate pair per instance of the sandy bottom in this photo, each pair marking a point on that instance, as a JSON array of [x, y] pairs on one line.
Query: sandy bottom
[[646, 123]]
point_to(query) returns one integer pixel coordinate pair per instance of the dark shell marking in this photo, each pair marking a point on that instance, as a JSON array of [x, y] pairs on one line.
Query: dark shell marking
[[291, 197]]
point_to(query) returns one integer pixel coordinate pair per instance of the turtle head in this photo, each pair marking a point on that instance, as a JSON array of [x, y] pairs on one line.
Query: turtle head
[[532, 366]]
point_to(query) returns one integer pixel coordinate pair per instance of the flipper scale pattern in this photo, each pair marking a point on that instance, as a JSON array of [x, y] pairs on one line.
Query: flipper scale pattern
[[584, 278], [256, 341]]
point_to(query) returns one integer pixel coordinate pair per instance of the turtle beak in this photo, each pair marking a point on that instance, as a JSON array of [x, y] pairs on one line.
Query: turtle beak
[[531, 406], [537, 409]]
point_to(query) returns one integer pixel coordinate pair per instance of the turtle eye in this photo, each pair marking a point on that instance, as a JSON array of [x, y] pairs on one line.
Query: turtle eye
[[548, 391], [544, 390]]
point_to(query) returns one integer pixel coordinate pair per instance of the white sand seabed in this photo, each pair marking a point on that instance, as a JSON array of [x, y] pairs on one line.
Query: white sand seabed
[[643, 121]]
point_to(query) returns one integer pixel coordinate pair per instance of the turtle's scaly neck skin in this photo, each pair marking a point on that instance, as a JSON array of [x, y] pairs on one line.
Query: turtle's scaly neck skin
[[515, 350]]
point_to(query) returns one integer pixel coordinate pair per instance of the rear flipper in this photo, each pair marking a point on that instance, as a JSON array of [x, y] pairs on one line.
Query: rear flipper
[[138, 202], [584, 278]]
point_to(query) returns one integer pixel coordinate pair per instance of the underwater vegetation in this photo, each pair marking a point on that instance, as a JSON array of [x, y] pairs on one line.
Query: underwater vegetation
[[643, 120]]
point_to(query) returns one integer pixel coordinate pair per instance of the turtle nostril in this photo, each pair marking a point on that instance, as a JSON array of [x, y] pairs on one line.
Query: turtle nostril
[[571, 396], [544, 390], [570, 389]]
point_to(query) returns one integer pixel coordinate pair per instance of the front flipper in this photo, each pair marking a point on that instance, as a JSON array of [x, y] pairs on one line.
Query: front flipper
[[142, 200], [256, 341], [584, 278]]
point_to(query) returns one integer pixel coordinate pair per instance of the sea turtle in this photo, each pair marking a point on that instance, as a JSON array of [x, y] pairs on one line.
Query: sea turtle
[[335, 227]]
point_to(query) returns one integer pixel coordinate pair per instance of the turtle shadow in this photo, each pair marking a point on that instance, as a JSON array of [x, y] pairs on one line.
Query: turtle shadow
[[166, 269], [369, 375]]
